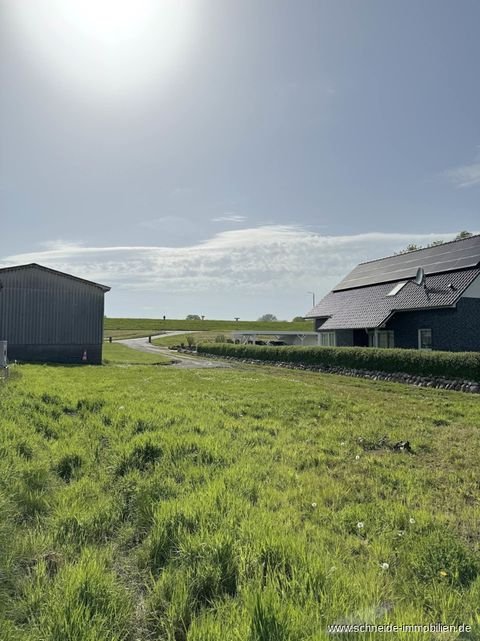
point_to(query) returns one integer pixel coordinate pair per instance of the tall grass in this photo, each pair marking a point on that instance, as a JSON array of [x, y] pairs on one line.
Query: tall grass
[[198, 505]]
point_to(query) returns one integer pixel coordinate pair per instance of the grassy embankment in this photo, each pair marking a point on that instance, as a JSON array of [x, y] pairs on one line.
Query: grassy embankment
[[137, 327], [257, 504]]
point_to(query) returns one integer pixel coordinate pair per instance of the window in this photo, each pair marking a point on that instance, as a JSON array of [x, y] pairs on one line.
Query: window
[[424, 339], [381, 338], [397, 288], [327, 339]]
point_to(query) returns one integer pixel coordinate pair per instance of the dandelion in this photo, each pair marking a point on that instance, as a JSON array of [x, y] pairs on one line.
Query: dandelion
[[411, 520], [360, 525], [342, 443], [385, 566], [314, 505], [442, 573], [357, 458]]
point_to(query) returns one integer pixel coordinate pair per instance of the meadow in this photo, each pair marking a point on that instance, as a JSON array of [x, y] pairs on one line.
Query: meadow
[[249, 504], [132, 327], [115, 353]]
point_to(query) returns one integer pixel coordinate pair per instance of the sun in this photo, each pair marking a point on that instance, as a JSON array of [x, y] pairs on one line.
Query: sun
[[105, 45]]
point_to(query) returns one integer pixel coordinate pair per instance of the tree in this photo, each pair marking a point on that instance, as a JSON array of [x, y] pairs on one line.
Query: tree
[[409, 248], [463, 234], [193, 317], [298, 319], [412, 247], [268, 318]]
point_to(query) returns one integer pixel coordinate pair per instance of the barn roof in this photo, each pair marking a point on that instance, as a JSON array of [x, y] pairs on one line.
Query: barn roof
[[104, 288]]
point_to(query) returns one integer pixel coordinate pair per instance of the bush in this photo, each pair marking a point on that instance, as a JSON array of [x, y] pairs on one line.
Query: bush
[[463, 365]]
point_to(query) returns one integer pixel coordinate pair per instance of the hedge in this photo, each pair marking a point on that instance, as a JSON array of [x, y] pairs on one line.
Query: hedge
[[451, 365]]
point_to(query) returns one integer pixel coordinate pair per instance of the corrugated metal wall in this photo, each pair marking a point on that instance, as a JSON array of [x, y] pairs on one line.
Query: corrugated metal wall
[[42, 308]]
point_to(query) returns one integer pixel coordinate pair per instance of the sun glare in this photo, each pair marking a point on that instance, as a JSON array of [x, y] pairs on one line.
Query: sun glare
[[106, 45]]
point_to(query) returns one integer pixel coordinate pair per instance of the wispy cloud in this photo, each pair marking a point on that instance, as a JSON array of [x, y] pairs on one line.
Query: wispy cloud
[[272, 258], [230, 217], [466, 176]]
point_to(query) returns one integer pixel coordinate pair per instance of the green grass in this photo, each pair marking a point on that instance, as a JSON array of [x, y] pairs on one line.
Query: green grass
[[152, 325], [250, 504], [114, 353]]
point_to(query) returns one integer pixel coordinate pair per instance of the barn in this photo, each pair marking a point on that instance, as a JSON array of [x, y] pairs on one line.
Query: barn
[[383, 303], [48, 316]]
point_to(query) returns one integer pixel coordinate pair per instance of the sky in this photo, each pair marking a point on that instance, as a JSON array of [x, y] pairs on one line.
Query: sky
[[228, 157]]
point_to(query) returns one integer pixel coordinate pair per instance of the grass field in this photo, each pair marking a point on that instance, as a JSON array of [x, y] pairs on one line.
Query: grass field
[[151, 325], [148, 503], [121, 354]]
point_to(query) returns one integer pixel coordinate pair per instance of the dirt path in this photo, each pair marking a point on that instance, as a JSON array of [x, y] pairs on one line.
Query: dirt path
[[183, 361]]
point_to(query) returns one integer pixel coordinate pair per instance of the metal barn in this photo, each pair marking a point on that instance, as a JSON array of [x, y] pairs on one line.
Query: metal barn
[[48, 316]]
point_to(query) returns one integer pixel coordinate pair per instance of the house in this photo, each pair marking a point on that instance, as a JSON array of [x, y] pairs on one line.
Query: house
[[380, 304], [50, 316]]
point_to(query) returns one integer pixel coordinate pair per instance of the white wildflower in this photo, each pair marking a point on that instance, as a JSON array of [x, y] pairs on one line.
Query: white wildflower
[[385, 566], [360, 525]]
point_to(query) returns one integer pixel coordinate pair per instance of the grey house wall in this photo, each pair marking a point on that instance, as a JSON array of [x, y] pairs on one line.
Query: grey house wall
[[456, 330], [48, 317]]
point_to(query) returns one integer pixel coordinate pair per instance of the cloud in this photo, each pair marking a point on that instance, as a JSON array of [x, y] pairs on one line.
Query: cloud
[[230, 217], [466, 176], [271, 259]]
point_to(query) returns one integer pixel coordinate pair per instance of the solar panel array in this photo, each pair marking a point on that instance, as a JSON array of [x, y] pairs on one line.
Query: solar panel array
[[460, 254]]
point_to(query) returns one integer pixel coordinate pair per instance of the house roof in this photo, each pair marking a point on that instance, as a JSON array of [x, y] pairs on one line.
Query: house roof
[[104, 288], [370, 307], [446, 257]]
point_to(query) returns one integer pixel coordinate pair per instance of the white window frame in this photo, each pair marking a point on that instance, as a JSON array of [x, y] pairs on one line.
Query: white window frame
[[420, 332], [327, 339], [375, 335]]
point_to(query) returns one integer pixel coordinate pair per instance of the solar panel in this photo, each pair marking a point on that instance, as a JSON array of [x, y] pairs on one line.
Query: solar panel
[[434, 260]]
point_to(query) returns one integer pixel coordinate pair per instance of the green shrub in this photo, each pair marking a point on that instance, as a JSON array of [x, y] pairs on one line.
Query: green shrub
[[463, 365]]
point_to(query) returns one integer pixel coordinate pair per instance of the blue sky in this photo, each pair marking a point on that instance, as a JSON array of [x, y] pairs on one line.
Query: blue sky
[[225, 157]]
